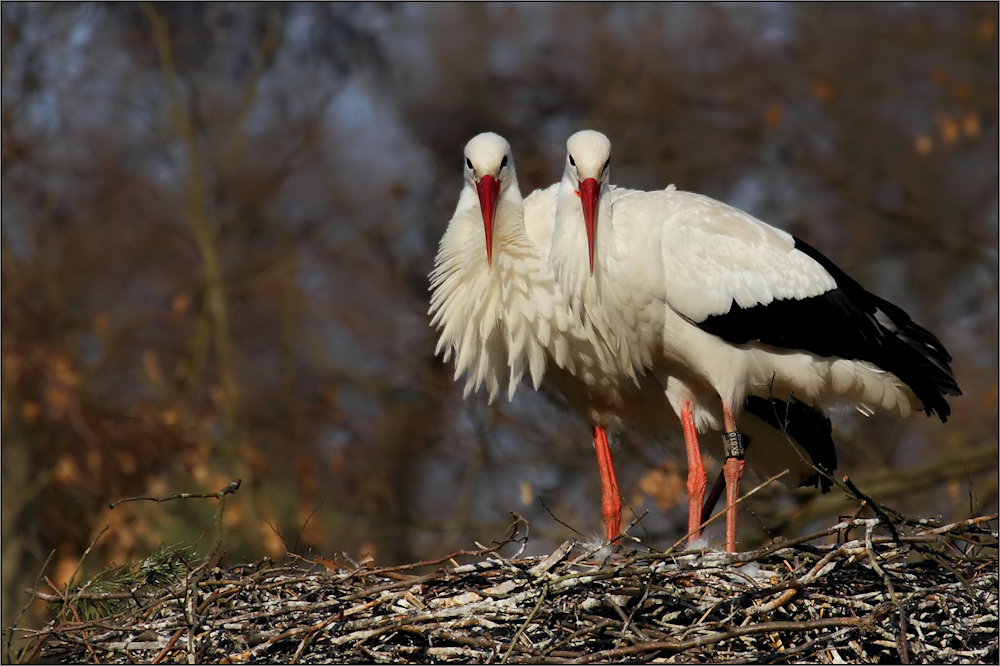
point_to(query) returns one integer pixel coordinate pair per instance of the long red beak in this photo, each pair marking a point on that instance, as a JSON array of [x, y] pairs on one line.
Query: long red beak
[[589, 190], [489, 190]]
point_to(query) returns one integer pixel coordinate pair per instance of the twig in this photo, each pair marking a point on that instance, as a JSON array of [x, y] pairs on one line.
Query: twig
[[232, 487], [951, 527], [635, 521], [303, 644], [904, 653], [566, 525], [517, 636], [879, 510], [513, 532], [638, 606], [168, 647], [97, 596], [295, 546], [83, 557]]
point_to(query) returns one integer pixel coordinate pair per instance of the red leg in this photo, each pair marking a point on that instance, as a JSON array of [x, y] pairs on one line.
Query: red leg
[[733, 470], [696, 472], [611, 502]]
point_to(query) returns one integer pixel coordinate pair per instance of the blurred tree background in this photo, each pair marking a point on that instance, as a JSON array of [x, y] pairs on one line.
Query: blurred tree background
[[218, 222]]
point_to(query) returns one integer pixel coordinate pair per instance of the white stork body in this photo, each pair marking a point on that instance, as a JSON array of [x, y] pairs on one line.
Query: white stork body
[[730, 306], [714, 257]]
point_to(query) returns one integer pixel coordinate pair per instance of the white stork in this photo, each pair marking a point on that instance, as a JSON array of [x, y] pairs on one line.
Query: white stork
[[505, 314], [731, 306], [612, 401], [490, 318]]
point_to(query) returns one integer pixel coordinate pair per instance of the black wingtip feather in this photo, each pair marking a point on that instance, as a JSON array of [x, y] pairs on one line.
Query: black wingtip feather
[[910, 352]]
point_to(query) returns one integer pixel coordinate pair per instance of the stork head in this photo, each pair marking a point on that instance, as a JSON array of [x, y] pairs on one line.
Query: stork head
[[489, 167], [588, 163]]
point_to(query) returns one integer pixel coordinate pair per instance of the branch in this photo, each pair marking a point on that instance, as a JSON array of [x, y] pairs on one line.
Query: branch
[[199, 223]]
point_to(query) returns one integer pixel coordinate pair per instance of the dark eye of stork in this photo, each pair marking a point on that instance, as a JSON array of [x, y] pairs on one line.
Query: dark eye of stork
[[606, 164], [572, 161], [468, 162], [503, 162]]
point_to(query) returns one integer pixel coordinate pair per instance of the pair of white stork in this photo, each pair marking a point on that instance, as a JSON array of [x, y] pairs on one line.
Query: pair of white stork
[[644, 307]]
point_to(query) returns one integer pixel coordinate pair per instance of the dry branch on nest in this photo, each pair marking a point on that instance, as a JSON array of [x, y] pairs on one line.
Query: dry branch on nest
[[906, 592]]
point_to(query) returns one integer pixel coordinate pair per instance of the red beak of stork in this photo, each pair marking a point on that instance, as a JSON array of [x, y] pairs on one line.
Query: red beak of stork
[[488, 189], [589, 191]]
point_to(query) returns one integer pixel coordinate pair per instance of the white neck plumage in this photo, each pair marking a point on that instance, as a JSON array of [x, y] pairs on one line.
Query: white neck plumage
[[570, 253], [467, 300]]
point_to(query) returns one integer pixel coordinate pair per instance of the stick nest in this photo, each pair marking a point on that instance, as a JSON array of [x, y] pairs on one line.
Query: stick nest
[[914, 591]]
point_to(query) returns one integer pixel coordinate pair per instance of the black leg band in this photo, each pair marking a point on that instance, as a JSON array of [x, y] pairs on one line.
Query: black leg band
[[732, 445]]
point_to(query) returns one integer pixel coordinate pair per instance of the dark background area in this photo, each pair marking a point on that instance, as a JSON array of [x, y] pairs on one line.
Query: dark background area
[[218, 222]]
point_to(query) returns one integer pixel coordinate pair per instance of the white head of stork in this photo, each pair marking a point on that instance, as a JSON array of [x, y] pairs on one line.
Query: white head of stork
[[731, 306]]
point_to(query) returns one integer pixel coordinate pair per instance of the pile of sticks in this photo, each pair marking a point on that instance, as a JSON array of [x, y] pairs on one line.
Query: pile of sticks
[[862, 591]]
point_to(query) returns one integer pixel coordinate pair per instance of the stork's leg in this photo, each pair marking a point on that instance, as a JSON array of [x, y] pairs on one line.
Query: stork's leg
[[733, 469], [696, 472], [611, 502]]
